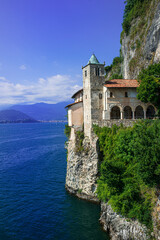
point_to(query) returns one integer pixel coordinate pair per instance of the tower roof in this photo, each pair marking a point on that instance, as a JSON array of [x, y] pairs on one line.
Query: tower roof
[[93, 59]]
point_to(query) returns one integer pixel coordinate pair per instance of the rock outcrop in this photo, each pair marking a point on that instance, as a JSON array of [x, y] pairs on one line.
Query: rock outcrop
[[156, 218], [142, 46], [120, 228], [81, 180], [82, 169]]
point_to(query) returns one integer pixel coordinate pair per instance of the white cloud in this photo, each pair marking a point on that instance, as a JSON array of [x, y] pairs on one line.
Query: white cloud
[[3, 79], [23, 67], [50, 90]]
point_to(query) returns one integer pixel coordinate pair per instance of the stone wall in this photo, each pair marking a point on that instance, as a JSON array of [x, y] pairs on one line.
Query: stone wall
[[110, 123], [92, 95], [77, 114]]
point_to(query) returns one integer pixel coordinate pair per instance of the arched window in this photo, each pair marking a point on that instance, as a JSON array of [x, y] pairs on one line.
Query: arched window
[[115, 113], [127, 112], [139, 113], [150, 113]]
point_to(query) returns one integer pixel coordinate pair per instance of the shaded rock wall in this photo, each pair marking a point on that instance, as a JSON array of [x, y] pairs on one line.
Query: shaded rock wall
[[142, 46]]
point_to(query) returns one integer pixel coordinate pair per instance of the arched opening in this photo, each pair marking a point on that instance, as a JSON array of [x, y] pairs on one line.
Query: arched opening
[[127, 112], [150, 113], [139, 113], [115, 113]]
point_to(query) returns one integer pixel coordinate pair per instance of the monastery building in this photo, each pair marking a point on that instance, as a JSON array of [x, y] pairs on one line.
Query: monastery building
[[106, 102]]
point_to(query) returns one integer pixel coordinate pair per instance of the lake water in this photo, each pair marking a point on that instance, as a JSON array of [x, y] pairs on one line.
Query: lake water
[[33, 201]]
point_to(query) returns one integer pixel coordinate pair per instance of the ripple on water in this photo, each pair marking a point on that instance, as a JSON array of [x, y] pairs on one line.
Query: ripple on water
[[34, 203]]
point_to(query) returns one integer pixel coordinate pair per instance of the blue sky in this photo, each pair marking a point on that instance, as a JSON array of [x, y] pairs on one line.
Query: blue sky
[[44, 43]]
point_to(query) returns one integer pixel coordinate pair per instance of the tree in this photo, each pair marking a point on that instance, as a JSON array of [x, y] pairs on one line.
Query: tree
[[149, 89]]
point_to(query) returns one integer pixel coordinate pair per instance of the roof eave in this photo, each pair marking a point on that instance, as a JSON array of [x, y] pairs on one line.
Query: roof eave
[[102, 64], [73, 104], [81, 90]]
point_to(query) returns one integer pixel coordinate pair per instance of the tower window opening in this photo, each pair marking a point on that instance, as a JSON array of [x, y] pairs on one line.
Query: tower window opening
[[126, 94], [97, 71], [85, 73], [111, 94], [100, 96]]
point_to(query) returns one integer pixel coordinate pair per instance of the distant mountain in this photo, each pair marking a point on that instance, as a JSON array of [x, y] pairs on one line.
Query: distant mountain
[[44, 111], [13, 116]]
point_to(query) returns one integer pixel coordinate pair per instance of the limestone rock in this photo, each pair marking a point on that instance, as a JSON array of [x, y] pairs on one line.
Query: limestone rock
[[82, 170], [142, 46], [119, 227]]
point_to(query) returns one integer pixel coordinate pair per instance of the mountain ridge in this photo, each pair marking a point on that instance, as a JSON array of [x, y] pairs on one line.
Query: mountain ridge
[[13, 116], [44, 111]]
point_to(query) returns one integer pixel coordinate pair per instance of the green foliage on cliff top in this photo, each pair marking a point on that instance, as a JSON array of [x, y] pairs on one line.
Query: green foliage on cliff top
[[149, 89], [134, 9], [115, 68], [130, 170]]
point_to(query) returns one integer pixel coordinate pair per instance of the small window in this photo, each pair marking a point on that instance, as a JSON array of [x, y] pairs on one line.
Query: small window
[[86, 73], [100, 95], [86, 96], [97, 71], [111, 94], [126, 94]]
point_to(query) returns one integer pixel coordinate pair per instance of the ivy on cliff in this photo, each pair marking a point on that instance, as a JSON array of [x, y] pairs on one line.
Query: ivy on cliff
[[130, 169], [79, 136], [67, 131]]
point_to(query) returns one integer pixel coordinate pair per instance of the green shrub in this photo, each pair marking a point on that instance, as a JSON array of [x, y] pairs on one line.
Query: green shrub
[[115, 68], [149, 89], [132, 64], [130, 169], [67, 131], [79, 141], [116, 76], [117, 60], [138, 43], [108, 69]]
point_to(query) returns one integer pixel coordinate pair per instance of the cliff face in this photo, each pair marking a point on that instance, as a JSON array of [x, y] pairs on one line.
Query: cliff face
[[82, 168], [119, 227], [142, 45], [81, 180], [140, 48]]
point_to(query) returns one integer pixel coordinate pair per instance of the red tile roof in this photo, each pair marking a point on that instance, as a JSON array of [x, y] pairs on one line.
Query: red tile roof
[[73, 104], [122, 83]]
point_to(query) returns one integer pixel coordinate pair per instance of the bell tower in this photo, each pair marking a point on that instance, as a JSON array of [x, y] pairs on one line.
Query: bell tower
[[93, 81]]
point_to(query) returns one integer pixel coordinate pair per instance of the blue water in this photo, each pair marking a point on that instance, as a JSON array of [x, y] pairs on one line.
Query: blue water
[[33, 201]]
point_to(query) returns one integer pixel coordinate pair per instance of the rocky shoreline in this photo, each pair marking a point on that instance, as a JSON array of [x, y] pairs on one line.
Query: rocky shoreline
[[82, 195], [81, 181], [120, 228]]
